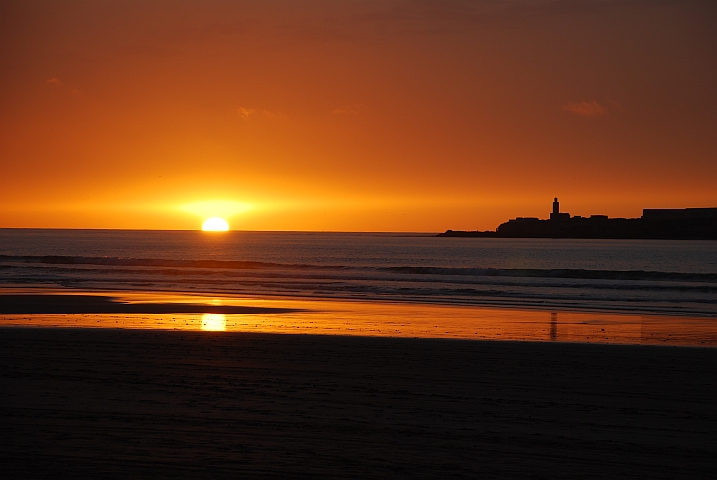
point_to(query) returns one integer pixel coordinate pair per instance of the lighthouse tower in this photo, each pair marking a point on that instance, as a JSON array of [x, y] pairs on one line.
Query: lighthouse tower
[[556, 215]]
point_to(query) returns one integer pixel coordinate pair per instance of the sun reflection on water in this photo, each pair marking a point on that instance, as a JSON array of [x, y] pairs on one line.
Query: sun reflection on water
[[331, 317], [214, 322]]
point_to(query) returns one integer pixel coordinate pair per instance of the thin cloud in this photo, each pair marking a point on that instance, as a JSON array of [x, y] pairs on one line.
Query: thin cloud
[[586, 109], [60, 88], [247, 113]]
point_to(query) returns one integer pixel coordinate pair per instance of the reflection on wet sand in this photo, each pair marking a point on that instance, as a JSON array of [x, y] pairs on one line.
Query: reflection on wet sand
[[323, 317], [214, 322]]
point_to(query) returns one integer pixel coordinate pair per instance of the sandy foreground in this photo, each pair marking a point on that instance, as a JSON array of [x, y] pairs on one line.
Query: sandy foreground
[[141, 384], [112, 403]]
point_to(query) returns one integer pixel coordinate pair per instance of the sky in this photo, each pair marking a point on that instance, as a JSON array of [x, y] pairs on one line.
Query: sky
[[391, 115]]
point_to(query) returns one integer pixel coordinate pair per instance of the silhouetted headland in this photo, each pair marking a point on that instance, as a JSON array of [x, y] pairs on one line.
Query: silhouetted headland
[[655, 223]]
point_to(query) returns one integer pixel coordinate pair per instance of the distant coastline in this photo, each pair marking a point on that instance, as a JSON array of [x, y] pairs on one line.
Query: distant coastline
[[658, 224]]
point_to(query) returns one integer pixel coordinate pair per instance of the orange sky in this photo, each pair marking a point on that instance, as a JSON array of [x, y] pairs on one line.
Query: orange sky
[[352, 115]]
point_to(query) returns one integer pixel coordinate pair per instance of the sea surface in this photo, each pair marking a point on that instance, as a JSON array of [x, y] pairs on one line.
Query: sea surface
[[640, 276]]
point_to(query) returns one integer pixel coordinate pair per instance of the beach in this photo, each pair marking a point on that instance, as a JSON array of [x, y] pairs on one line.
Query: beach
[[308, 355], [358, 239], [88, 403], [69, 308]]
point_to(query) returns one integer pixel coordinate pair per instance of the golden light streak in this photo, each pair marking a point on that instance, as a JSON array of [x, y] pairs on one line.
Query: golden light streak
[[214, 322]]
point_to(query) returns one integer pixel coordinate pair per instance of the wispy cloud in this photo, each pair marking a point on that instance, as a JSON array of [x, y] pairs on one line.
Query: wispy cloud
[[58, 86], [248, 113], [245, 113]]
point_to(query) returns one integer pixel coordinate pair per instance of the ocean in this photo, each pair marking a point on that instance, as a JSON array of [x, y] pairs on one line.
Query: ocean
[[642, 276]]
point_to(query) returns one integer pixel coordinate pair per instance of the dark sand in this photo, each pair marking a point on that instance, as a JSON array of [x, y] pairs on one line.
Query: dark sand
[[25, 304], [100, 403]]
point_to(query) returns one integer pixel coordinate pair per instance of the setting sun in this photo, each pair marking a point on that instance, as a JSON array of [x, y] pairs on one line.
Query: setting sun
[[215, 224]]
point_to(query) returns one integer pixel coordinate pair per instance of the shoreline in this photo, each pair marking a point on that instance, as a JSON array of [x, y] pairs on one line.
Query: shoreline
[[207, 296], [79, 303], [200, 312]]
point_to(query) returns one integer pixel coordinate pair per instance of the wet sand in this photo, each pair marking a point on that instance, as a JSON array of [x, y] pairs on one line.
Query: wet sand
[[89, 403], [48, 303], [177, 311]]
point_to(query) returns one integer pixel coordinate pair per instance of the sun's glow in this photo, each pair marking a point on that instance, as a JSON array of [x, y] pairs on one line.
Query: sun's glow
[[215, 224], [214, 322], [221, 208]]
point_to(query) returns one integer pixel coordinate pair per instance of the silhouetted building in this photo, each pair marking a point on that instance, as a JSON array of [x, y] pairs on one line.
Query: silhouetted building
[[556, 215], [678, 213], [664, 223]]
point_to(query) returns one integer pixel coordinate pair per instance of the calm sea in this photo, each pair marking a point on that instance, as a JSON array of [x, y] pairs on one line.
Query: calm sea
[[674, 277]]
